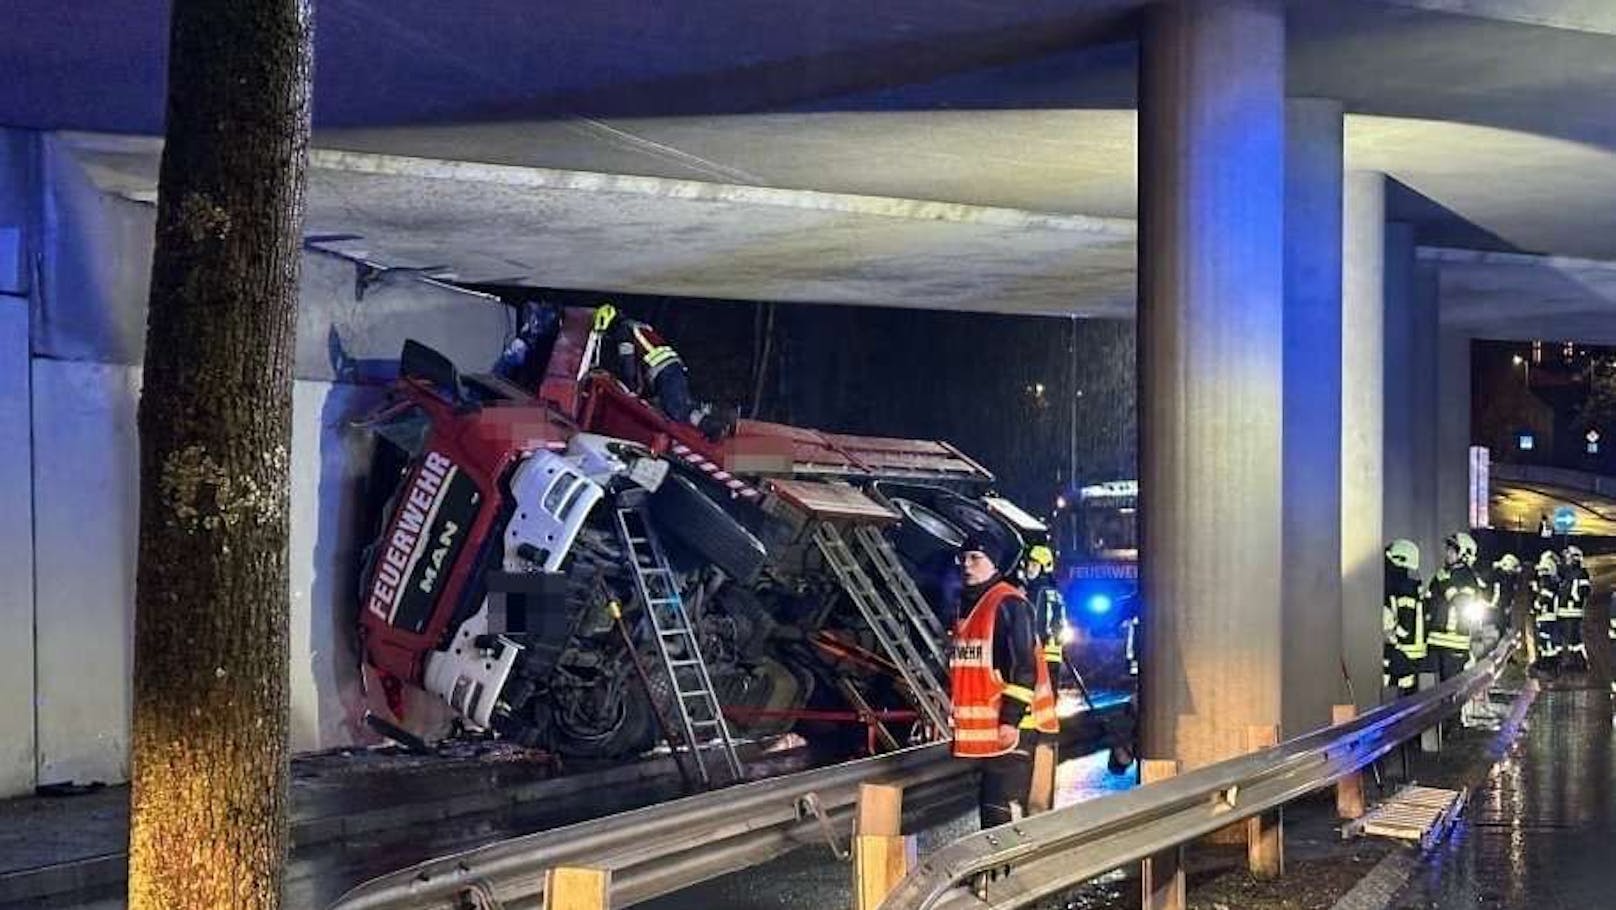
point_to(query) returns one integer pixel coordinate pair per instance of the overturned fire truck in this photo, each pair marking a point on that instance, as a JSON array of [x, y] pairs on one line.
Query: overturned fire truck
[[565, 567]]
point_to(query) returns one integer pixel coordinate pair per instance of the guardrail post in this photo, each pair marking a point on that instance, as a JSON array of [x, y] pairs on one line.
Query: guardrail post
[[1042, 797], [577, 888], [1265, 833], [882, 855], [1349, 792], [1161, 877], [1431, 739]]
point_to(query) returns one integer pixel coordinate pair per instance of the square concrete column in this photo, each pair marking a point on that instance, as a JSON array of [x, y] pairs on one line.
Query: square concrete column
[[1211, 365], [1400, 376], [1426, 320], [1453, 439], [19, 195], [1363, 310], [1312, 419]]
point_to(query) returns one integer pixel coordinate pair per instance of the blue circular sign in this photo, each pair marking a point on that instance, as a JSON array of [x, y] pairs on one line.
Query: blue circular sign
[[1565, 518]]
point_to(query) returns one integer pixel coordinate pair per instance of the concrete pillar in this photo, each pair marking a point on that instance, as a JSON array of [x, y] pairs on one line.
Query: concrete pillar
[[1211, 126], [1425, 318], [16, 554], [1452, 441], [1400, 376], [1312, 417], [18, 196], [1363, 305]]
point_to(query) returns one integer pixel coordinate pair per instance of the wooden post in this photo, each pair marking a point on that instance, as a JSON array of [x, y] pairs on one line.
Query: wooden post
[[882, 855], [1161, 877], [1349, 792], [1265, 834], [577, 888], [1044, 762]]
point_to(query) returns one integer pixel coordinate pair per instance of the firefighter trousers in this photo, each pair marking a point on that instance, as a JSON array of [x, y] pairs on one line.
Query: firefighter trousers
[[1006, 785]]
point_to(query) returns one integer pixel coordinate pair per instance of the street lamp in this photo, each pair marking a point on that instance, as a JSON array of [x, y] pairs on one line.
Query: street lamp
[[1526, 368]]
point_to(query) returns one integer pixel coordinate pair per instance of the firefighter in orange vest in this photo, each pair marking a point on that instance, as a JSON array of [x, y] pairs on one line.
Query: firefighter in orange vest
[[1003, 700]]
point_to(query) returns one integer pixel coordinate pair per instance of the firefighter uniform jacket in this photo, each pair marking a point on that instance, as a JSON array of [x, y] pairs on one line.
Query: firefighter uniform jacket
[[983, 696], [1575, 589], [1404, 617], [1452, 589], [637, 354], [1545, 612], [1049, 613]]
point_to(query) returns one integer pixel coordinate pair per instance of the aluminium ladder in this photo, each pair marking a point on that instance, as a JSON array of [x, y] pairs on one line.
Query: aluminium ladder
[[895, 629], [922, 618], [701, 718]]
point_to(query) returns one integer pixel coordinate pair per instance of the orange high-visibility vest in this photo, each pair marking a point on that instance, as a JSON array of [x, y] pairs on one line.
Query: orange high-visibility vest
[[978, 689]]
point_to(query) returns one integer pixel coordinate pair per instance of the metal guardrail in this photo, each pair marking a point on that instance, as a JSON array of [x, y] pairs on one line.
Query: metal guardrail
[[669, 846], [1017, 864]]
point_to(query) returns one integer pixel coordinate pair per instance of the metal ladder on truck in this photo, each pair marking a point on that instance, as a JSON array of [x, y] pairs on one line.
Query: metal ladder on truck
[[896, 618], [700, 718]]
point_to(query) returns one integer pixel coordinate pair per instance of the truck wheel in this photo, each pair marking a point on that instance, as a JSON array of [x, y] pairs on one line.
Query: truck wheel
[[622, 726], [685, 513], [972, 518], [923, 533]]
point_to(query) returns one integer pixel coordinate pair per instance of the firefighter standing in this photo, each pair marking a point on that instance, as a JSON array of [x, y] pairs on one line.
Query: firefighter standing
[[638, 356], [1575, 589], [1002, 696], [1402, 619], [1545, 611], [1455, 602], [1506, 588], [1048, 607]]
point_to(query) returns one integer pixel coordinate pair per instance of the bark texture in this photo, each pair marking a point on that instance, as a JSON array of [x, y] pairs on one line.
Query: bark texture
[[209, 753]]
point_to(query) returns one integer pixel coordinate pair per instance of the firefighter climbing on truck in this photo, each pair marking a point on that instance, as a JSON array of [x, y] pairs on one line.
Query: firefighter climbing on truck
[[648, 365]]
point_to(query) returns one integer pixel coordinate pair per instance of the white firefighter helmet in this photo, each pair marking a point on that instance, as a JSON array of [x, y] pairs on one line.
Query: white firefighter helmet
[[1464, 546], [1404, 554], [1573, 556], [1548, 563], [1509, 562]]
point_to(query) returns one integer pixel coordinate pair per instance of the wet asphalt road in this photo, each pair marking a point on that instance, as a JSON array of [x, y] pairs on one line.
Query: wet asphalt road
[[1541, 831]]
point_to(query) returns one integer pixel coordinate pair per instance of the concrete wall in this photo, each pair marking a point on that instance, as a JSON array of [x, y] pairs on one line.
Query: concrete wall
[[69, 387], [16, 554], [86, 486], [18, 212]]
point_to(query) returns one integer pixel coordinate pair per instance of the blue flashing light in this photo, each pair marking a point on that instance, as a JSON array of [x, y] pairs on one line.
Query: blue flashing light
[[1099, 603]]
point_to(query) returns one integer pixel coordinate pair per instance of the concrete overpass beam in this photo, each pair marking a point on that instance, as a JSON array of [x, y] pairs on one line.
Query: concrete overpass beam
[[1211, 345], [1362, 439], [1312, 416]]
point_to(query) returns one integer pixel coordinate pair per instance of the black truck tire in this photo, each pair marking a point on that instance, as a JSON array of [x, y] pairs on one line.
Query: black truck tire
[[923, 534], [635, 732], [682, 511]]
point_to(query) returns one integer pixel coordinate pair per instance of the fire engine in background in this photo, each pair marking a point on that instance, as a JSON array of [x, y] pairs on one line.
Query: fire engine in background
[[1097, 533]]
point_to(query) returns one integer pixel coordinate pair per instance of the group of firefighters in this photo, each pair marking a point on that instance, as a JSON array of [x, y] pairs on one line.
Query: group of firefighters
[[1460, 613]]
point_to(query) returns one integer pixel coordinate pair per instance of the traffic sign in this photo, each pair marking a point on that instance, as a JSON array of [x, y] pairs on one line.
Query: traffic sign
[[1565, 519]]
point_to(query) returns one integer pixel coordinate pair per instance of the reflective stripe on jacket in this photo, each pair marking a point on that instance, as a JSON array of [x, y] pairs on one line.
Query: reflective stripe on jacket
[[978, 688]]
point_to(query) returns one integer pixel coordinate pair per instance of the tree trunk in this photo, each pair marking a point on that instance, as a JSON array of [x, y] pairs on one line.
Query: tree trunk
[[208, 804]]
